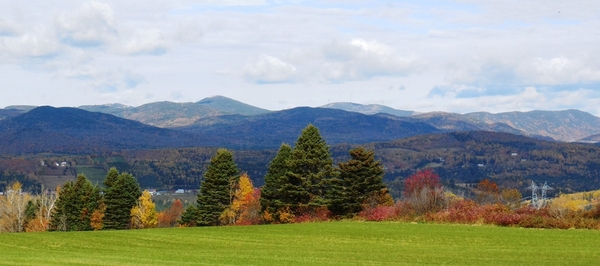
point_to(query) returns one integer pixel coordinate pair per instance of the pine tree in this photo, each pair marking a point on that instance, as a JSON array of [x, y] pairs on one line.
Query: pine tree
[[75, 205], [311, 169], [359, 178], [217, 188], [120, 196], [275, 179]]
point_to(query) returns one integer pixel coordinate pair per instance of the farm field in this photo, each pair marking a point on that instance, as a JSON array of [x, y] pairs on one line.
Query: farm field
[[327, 243]]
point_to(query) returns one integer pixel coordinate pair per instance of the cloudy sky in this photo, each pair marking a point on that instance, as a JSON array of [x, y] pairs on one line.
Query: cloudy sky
[[457, 56]]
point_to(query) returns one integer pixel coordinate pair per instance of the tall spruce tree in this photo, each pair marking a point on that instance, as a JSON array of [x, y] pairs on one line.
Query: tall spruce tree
[[75, 205], [310, 171], [121, 194], [359, 178], [216, 190], [275, 179]]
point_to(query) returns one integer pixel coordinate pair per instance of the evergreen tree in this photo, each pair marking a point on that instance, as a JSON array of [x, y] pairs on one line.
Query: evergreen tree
[[75, 204], [190, 216], [275, 179], [120, 196], [218, 188], [310, 170], [359, 178]]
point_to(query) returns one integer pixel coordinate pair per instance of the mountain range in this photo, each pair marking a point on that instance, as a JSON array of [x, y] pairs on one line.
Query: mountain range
[[227, 117]]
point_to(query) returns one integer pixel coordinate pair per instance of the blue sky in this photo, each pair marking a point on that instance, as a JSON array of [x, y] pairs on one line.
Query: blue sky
[[455, 56]]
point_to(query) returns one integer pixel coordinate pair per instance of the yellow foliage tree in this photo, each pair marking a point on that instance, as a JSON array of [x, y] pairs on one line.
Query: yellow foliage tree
[[144, 214], [244, 201], [13, 205]]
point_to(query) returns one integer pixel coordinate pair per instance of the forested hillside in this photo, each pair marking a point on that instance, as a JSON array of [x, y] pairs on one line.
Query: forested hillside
[[509, 160]]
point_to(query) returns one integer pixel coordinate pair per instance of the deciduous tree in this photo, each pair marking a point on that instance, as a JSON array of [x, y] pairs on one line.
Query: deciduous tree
[[13, 205], [423, 192], [169, 217], [144, 214]]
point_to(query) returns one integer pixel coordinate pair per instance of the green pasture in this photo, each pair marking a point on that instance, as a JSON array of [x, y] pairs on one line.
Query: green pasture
[[328, 243], [96, 175]]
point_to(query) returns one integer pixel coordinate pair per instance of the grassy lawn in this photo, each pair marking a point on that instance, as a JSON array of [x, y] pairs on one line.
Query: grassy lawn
[[329, 243]]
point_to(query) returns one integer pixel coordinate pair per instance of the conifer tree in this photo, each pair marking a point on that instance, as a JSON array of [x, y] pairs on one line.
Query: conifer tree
[[359, 178], [310, 170], [120, 196], [217, 189], [270, 199], [75, 205]]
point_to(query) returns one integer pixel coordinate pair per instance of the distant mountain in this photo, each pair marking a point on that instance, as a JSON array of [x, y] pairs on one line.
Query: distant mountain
[[337, 126], [72, 130], [229, 106], [591, 139], [8, 113], [170, 114], [369, 109], [568, 125], [451, 122]]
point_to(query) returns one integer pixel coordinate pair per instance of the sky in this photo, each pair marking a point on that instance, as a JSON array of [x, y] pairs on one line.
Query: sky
[[453, 56]]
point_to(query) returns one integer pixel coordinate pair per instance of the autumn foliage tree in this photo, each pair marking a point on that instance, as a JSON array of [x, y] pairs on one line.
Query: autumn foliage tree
[[245, 207], [43, 206], [170, 216], [423, 192], [488, 193], [13, 205], [144, 215]]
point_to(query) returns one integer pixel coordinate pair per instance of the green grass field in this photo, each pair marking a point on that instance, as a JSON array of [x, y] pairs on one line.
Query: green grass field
[[96, 175], [329, 243]]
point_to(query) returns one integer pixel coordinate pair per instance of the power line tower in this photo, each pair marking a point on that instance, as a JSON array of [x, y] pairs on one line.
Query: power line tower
[[534, 197], [535, 201], [545, 188]]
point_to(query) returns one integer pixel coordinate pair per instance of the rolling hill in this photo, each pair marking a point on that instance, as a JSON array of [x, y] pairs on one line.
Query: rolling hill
[[72, 130], [337, 126]]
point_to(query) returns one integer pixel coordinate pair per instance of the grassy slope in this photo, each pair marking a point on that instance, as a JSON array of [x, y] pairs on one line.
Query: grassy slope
[[334, 243]]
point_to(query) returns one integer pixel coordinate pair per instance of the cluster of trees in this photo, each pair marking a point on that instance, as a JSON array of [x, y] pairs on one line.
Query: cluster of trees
[[79, 206], [301, 181]]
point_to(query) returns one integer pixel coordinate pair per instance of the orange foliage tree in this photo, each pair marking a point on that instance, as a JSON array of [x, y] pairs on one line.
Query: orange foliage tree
[[171, 216], [245, 207]]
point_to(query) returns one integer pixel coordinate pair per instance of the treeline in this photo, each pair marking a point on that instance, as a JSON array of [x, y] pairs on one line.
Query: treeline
[[301, 184]]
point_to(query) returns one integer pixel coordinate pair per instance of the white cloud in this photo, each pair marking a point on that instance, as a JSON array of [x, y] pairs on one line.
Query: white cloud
[[9, 28], [39, 43], [269, 69], [361, 59], [93, 24], [150, 42]]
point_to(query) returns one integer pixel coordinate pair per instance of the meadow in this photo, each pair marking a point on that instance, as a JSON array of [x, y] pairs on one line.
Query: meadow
[[326, 243]]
